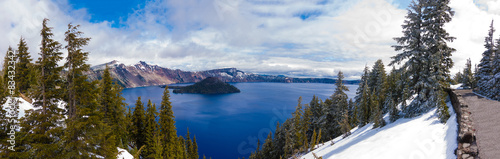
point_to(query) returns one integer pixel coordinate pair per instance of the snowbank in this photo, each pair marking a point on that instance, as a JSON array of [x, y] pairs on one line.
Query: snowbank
[[420, 137], [23, 105], [124, 154]]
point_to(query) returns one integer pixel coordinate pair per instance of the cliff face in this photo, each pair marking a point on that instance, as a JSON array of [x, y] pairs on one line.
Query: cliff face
[[143, 74]]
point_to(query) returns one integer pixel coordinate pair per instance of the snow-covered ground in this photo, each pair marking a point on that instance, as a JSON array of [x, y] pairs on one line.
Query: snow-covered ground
[[124, 154], [24, 105], [422, 137], [457, 86]]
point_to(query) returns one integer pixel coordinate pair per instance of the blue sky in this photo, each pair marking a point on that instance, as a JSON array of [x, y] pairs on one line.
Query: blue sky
[[313, 38]]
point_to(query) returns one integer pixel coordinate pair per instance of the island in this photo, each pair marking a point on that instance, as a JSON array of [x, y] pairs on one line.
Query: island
[[210, 85]]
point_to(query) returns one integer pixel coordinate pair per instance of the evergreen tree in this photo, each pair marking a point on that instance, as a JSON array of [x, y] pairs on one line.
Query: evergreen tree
[[9, 59], [297, 127], [485, 70], [76, 65], [317, 112], [496, 73], [167, 127], [364, 106], [377, 83], [314, 140], [44, 124], [360, 98], [150, 131], [426, 54], [339, 96], [139, 121], [86, 129], [267, 148], [377, 116], [353, 113], [23, 67], [113, 107], [468, 77]]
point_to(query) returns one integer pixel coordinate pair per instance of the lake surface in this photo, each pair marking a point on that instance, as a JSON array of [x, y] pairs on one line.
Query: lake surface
[[227, 126]]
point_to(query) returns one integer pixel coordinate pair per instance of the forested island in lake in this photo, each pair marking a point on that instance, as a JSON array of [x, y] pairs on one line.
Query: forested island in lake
[[210, 85]]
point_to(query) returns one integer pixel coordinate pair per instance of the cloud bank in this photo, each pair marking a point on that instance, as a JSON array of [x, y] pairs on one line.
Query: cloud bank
[[313, 38]]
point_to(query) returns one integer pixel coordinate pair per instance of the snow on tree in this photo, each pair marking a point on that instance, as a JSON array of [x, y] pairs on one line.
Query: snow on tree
[[426, 56], [485, 70], [467, 76]]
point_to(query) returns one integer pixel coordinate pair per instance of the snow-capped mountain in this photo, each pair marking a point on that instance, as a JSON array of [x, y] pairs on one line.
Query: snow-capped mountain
[[143, 74]]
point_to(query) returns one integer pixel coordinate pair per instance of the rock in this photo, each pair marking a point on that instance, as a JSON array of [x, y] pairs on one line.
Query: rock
[[465, 155], [465, 145]]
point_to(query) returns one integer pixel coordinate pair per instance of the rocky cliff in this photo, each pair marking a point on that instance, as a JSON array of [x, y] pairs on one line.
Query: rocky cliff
[[143, 74]]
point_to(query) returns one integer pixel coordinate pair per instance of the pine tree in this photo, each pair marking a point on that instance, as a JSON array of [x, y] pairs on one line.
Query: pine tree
[[377, 116], [345, 127], [150, 131], [8, 72], [364, 106], [86, 129], [297, 129], [45, 123], [113, 107], [167, 126], [316, 111], [267, 147], [313, 140], [339, 96], [139, 121], [76, 65], [195, 149], [23, 67], [426, 54], [496, 72], [485, 70], [468, 77], [360, 99], [377, 83]]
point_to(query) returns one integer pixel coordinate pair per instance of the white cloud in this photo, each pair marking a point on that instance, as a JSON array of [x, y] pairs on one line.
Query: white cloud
[[470, 26], [254, 36]]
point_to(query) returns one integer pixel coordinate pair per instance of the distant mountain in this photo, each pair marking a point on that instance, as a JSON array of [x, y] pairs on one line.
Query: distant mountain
[[210, 85], [143, 74]]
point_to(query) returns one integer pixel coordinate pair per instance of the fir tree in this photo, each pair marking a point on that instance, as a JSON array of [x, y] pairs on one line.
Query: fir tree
[[44, 124], [7, 72], [426, 54], [360, 99], [317, 112], [377, 83], [150, 131], [485, 70], [113, 107], [496, 73], [167, 127], [24, 67], [468, 77], [86, 129], [364, 106], [376, 116], [76, 65], [297, 127], [139, 121]]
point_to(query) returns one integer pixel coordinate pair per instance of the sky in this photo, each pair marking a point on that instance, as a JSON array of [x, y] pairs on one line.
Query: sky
[[299, 38]]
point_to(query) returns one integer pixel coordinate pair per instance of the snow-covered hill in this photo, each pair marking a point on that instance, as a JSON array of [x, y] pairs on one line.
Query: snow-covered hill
[[422, 137]]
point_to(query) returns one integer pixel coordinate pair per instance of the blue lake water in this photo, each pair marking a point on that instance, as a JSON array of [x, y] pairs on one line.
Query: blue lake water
[[227, 126]]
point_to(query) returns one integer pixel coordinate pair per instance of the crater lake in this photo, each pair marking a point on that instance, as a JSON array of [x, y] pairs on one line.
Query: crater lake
[[227, 126]]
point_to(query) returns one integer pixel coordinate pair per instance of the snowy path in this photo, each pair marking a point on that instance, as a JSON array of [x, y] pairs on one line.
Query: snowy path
[[486, 121]]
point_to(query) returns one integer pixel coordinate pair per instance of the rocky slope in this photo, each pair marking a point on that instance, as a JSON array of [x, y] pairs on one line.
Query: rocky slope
[[143, 74]]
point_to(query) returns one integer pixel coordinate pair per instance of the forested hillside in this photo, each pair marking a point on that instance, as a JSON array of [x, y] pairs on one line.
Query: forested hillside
[[74, 117]]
